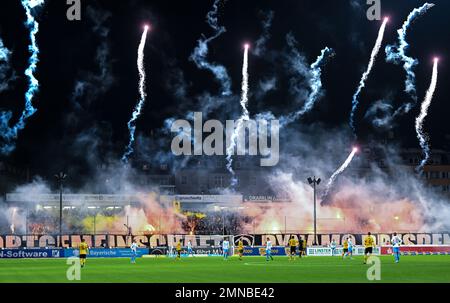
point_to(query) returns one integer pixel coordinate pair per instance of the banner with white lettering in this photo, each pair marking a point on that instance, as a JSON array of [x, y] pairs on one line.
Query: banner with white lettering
[[121, 241]]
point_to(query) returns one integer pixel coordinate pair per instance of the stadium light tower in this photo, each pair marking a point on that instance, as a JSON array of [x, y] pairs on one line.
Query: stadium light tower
[[314, 182], [60, 178]]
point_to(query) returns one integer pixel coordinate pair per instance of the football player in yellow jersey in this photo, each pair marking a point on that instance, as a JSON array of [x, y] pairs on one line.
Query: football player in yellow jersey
[[84, 249], [240, 249], [293, 248], [345, 248], [178, 248], [369, 244], [304, 244]]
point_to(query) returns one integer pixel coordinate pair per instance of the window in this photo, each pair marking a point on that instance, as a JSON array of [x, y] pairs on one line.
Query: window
[[219, 164], [434, 175], [218, 181], [164, 181]]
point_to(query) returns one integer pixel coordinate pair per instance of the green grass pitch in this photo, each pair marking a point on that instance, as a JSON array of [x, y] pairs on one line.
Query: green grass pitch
[[411, 269]]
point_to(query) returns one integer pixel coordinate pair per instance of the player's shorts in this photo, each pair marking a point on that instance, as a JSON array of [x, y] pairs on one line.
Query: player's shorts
[[350, 249], [268, 251], [241, 250], [83, 256], [396, 250], [179, 252], [225, 251], [293, 249], [368, 250], [345, 250]]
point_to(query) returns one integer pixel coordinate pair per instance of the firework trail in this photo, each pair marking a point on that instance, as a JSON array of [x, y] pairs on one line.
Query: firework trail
[[338, 172], [244, 117], [9, 134], [421, 135], [397, 54], [362, 82], [315, 83], [138, 109], [12, 227], [201, 52]]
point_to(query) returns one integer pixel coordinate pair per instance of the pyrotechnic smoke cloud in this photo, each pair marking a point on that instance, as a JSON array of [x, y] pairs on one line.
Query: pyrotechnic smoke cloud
[[397, 54], [363, 199], [201, 52], [9, 134], [421, 135], [91, 85], [6, 73], [143, 95], [362, 82], [260, 45], [315, 84], [380, 114]]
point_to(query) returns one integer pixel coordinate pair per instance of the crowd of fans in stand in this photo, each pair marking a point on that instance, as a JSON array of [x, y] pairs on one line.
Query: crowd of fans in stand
[[214, 223], [47, 222]]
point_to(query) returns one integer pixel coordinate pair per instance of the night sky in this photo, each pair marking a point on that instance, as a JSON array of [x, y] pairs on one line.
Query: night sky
[[51, 139]]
